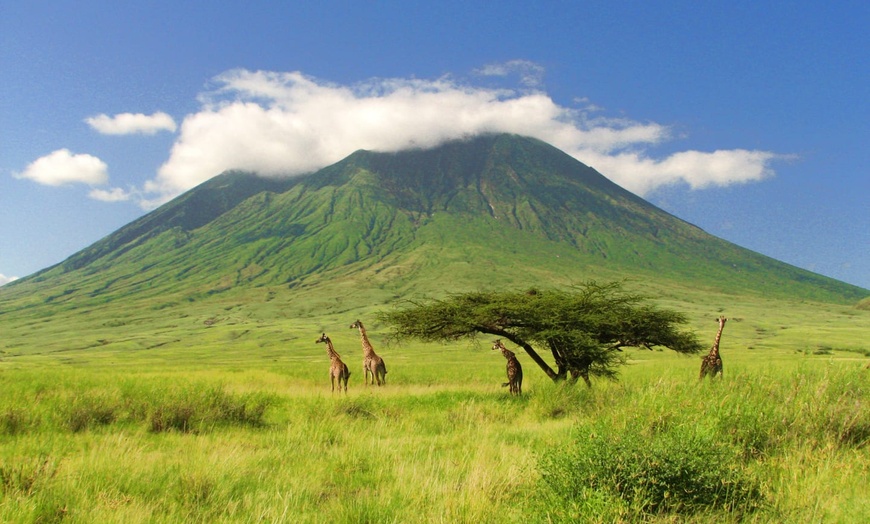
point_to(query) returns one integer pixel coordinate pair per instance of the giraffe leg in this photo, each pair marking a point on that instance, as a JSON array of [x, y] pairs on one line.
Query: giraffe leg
[[705, 369]]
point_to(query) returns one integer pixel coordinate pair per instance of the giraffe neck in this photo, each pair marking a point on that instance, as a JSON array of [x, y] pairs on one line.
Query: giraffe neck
[[333, 355], [366, 345], [505, 352], [715, 349]]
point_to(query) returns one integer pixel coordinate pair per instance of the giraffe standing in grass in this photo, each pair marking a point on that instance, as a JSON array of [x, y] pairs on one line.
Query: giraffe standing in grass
[[372, 364], [338, 369], [514, 369], [712, 364]]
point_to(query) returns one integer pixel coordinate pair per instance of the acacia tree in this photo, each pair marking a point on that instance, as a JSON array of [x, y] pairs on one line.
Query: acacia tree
[[584, 328]]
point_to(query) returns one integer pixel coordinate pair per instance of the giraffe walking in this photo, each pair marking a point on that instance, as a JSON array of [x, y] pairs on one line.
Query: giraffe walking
[[372, 364], [712, 364], [338, 369], [514, 369]]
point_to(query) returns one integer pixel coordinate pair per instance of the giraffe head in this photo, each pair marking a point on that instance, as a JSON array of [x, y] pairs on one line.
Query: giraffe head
[[356, 325], [499, 345], [323, 338]]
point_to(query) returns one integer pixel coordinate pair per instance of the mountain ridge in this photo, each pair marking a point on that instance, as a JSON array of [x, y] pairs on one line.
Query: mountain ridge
[[499, 208]]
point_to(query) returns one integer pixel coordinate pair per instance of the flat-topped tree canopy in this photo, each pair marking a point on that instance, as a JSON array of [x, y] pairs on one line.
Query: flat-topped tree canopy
[[583, 327]]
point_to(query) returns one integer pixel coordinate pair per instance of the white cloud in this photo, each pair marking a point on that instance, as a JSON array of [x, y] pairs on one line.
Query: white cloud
[[115, 194], [63, 167], [5, 280], [284, 124], [132, 123], [530, 73], [641, 174]]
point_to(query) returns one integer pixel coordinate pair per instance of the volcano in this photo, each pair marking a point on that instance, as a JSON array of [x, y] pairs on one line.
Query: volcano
[[492, 211]]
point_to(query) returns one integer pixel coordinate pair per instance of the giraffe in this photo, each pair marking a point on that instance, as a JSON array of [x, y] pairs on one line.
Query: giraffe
[[514, 369], [712, 364], [338, 369], [372, 364]]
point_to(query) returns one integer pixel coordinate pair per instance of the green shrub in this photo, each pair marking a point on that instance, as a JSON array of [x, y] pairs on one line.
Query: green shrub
[[195, 409], [86, 411], [14, 421], [172, 416], [678, 470]]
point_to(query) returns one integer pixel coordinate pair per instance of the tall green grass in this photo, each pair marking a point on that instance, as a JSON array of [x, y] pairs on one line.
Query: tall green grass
[[780, 442], [712, 450]]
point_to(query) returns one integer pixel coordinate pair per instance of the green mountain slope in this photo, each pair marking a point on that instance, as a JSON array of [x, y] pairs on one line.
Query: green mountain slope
[[487, 212]]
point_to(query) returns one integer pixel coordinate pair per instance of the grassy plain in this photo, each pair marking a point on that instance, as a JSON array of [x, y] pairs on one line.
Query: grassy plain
[[223, 413], [169, 372]]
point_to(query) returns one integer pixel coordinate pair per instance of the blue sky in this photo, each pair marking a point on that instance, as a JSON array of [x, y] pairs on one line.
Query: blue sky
[[748, 119]]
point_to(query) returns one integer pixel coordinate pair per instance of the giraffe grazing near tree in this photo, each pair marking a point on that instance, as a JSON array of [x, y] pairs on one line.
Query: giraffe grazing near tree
[[338, 369], [514, 369], [372, 364], [712, 364]]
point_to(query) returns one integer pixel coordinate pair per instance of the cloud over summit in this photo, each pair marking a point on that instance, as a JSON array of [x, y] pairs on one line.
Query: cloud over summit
[[287, 123]]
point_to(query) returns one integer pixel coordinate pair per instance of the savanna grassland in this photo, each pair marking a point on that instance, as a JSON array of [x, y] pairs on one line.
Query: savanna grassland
[[168, 373], [227, 416]]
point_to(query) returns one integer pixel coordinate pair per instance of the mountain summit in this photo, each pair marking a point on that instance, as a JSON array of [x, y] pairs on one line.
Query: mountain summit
[[489, 211]]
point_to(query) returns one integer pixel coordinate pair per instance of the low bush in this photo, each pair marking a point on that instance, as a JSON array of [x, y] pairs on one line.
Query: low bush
[[678, 470], [194, 410], [14, 421], [87, 411]]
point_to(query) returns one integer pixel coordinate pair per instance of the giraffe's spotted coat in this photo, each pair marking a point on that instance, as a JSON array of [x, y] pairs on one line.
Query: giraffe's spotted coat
[[373, 365], [712, 364], [514, 369], [338, 370]]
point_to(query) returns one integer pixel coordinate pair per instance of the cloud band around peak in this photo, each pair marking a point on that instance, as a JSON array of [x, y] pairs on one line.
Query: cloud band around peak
[[288, 123]]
